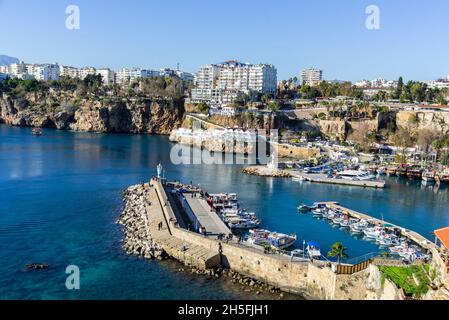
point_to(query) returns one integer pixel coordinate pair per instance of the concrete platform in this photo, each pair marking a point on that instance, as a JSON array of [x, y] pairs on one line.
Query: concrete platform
[[206, 217], [322, 178]]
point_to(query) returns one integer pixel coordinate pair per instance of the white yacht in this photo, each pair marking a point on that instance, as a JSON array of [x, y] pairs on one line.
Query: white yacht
[[355, 175]]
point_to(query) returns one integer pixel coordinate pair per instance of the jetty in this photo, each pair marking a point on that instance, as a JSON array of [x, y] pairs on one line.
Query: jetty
[[323, 178], [264, 171], [161, 222], [409, 234]]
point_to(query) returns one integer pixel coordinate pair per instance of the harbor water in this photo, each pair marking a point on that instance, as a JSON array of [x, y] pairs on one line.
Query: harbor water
[[60, 195]]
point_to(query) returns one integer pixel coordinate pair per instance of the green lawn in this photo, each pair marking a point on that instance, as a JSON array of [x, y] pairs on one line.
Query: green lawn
[[403, 278]]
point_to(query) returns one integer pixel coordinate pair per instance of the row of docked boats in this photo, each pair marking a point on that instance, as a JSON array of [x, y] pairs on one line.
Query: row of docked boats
[[384, 236], [228, 208], [428, 175]]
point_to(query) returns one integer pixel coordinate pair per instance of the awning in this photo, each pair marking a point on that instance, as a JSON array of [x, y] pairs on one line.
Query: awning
[[443, 236]]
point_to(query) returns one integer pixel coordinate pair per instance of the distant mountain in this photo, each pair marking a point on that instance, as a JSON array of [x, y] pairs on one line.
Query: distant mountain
[[6, 60]]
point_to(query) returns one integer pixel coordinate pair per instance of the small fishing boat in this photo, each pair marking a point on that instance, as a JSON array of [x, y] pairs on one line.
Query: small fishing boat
[[299, 179], [240, 223], [36, 132], [358, 227], [304, 208], [355, 175], [273, 239], [372, 233], [318, 212], [313, 250], [428, 176]]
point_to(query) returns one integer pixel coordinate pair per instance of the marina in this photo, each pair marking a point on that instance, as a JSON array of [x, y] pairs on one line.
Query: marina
[[405, 243], [274, 201]]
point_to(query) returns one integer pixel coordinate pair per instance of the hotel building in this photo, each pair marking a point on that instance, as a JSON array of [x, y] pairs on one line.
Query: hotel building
[[311, 76], [221, 84]]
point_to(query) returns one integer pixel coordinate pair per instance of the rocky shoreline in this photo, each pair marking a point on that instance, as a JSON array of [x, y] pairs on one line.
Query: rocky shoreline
[[138, 116], [138, 240]]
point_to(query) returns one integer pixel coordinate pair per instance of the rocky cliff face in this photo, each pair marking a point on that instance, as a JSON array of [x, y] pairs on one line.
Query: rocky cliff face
[[143, 116]]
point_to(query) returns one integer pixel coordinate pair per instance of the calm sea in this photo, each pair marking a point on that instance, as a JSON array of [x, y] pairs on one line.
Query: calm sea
[[60, 195]]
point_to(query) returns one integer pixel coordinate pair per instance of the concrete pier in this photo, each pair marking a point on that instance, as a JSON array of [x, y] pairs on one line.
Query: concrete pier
[[322, 178], [410, 234], [264, 171]]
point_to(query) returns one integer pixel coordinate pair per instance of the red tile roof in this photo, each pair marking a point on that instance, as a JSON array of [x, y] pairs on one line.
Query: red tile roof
[[443, 236]]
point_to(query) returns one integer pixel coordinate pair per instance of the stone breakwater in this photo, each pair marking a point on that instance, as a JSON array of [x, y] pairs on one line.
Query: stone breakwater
[[138, 240]]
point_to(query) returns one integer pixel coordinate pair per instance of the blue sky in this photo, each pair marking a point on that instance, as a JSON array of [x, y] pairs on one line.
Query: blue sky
[[291, 34]]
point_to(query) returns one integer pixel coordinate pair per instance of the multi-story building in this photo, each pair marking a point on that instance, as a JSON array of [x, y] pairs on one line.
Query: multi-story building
[[363, 84], [84, 72], [3, 76], [107, 75], [223, 83], [440, 84], [127, 75], [43, 72], [67, 71], [186, 76], [311, 76], [18, 70]]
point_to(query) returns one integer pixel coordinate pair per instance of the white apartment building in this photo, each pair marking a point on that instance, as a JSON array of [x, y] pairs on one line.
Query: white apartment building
[[311, 76], [439, 84], [186, 76], [84, 72], [43, 72], [363, 84], [18, 70], [127, 75], [108, 76], [67, 71], [222, 83]]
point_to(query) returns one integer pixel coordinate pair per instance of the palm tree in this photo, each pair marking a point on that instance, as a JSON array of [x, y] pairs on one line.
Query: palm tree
[[339, 251]]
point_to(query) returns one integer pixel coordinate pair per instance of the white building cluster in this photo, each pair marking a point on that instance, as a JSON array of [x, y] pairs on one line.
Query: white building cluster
[[48, 72], [379, 83], [26, 71], [311, 76], [440, 83], [221, 84]]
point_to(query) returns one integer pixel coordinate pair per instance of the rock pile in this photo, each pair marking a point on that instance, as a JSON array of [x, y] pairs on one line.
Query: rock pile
[[138, 240]]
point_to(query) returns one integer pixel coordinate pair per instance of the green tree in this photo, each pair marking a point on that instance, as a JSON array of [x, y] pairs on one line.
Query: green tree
[[338, 250]]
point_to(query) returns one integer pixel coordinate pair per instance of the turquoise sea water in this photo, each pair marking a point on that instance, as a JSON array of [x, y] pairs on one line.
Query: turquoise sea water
[[60, 195]]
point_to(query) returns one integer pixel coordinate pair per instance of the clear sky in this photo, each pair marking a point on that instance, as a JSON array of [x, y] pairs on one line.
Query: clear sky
[[413, 40]]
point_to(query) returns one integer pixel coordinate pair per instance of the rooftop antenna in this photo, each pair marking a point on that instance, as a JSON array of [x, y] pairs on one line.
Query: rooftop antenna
[[177, 66]]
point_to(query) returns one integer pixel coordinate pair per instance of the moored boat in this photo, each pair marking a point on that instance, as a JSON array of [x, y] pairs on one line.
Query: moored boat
[[36, 131], [313, 250], [273, 239]]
